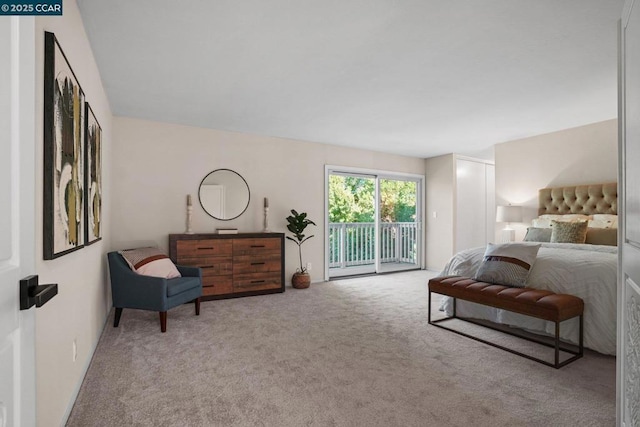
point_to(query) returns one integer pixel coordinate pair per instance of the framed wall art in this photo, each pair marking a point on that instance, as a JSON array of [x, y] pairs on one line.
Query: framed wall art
[[64, 127], [93, 178]]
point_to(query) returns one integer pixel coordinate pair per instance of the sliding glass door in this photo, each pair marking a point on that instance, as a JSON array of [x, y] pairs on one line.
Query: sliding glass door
[[373, 222], [352, 226], [399, 224]]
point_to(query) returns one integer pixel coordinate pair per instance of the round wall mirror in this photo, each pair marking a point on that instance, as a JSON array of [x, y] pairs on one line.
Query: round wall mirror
[[224, 194]]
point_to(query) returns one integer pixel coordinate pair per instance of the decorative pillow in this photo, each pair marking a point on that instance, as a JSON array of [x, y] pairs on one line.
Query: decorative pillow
[[607, 217], [150, 262], [602, 236], [507, 264], [568, 232], [538, 235]]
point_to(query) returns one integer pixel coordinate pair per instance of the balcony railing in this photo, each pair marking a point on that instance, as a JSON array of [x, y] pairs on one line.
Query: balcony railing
[[352, 244]]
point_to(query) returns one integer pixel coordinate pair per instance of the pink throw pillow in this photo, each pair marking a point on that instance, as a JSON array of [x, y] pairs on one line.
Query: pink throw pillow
[[150, 262]]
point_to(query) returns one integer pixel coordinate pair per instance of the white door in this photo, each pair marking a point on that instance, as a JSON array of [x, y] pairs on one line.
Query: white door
[[350, 232], [490, 202], [475, 204], [628, 372], [17, 257], [399, 223], [470, 198]]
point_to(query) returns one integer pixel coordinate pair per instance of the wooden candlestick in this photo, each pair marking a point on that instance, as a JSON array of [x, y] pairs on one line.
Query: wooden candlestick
[[189, 215], [266, 219]]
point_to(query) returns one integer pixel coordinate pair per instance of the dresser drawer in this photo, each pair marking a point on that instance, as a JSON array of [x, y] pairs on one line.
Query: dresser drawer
[[264, 263], [204, 248], [217, 285], [217, 290], [211, 266], [256, 282], [255, 247], [217, 269]]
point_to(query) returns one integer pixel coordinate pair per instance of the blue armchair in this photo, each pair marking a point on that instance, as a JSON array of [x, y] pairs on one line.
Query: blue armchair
[[132, 290]]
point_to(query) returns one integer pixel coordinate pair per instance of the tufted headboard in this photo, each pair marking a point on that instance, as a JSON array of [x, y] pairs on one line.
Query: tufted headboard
[[579, 199]]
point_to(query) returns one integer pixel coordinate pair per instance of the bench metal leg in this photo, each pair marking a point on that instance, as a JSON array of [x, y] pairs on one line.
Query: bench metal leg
[[556, 345], [557, 358], [581, 341]]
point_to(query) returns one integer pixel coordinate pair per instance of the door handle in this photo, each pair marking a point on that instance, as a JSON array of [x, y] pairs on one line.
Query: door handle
[[33, 294]]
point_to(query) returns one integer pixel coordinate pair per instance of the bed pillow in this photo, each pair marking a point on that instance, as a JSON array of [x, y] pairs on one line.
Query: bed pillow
[[602, 236], [150, 262], [544, 221], [507, 264], [567, 217], [600, 223], [535, 234], [568, 232], [541, 223], [607, 217]]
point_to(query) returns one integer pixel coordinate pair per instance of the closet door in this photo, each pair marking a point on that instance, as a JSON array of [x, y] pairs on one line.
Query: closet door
[[490, 205], [471, 204]]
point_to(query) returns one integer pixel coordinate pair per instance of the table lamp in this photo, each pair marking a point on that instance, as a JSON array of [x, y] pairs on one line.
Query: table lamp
[[508, 214]]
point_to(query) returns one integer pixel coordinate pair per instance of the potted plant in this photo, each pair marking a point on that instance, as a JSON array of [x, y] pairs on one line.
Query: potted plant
[[297, 224]]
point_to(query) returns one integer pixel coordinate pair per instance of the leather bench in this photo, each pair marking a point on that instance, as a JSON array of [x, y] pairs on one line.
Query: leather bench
[[538, 303]]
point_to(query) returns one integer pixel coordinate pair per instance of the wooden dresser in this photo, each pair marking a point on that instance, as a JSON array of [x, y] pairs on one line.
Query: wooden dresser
[[233, 265]]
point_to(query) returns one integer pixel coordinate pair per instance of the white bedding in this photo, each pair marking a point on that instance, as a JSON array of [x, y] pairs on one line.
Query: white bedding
[[586, 271]]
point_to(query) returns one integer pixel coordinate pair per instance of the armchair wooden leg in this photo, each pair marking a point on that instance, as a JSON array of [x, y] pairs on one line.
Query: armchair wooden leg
[[163, 321], [116, 319], [197, 301]]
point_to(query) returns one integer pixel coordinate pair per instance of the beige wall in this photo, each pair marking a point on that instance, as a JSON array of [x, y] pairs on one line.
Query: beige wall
[[582, 155], [155, 165], [80, 309]]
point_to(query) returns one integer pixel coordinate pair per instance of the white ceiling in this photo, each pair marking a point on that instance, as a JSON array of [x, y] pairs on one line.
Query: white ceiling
[[413, 77]]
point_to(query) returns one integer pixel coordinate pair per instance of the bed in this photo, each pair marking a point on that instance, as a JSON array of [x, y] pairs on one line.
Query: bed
[[588, 271]]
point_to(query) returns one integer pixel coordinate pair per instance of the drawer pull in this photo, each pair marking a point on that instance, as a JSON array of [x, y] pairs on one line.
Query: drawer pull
[[257, 246], [257, 281], [207, 266], [258, 263], [206, 248]]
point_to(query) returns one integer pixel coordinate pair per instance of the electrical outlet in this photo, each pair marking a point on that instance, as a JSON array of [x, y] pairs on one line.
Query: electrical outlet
[[308, 266], [75, 350]]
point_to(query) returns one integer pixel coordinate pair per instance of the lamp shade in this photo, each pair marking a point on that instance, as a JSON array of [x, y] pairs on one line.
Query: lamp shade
[[509, 214]]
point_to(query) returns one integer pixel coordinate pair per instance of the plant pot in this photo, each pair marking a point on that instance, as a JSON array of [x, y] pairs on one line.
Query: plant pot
[[301, 280]]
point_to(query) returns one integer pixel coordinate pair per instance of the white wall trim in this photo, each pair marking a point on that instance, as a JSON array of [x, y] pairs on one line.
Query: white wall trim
[[621, 208], [364, 171], [626, 12], [23, 163]]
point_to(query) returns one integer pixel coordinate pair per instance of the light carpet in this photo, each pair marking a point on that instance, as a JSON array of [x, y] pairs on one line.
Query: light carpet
[[354, 352]]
